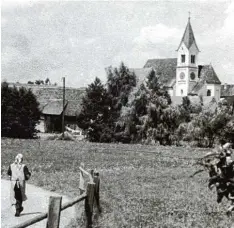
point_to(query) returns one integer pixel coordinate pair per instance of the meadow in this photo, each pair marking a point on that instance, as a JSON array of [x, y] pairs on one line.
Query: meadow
[[141, 186]]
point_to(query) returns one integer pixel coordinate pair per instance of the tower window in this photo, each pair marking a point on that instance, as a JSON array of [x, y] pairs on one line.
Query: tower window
[[192, 58], [183, 58], [208, 93]]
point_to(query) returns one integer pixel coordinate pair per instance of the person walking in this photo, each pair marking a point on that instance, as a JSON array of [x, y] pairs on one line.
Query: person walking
[[18, 173]]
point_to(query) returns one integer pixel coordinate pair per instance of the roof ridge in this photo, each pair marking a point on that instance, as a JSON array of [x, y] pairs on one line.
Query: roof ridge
[[162, 58]]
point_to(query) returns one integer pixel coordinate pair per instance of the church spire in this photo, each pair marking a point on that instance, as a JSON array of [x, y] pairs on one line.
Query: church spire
[[188, 38]]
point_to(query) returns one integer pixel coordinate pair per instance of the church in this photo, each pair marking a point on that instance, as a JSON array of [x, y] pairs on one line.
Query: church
[[183, 76]]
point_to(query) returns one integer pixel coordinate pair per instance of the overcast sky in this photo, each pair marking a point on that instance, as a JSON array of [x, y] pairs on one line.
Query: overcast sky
[[79, 39]]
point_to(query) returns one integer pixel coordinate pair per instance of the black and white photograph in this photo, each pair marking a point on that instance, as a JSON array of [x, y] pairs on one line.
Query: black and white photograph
[[117, 114]]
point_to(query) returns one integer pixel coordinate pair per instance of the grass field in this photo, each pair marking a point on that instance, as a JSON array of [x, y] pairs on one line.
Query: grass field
[[141, 186]]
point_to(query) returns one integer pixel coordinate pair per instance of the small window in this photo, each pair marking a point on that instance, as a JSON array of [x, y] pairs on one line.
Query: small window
[[183, 58], [181, 91], [208, 93], [192, 58]]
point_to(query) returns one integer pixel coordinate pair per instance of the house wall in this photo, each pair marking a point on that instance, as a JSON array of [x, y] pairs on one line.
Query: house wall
[[215, 90], [53, 123]]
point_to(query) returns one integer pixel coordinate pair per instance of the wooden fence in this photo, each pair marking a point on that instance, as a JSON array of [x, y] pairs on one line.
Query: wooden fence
[[53, 215]]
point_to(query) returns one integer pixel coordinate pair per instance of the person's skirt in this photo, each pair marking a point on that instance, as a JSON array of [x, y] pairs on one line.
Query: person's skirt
[[17, 191]]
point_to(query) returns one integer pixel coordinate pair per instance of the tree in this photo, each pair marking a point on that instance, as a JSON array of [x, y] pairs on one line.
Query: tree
[[47, 81], [94, 115], [185, 110], [119, 86], [30, 82], [39, 82], [20, 112], [149, 116], [209, 125]]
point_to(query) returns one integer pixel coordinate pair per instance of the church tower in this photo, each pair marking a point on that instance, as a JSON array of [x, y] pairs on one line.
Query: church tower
[[187, 63]]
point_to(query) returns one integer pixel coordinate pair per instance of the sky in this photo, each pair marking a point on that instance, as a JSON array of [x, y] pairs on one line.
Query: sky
[[79, 39]]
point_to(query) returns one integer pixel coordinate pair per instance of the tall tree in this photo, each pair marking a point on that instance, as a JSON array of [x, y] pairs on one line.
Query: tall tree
[[20, 112], [120, 82], [94, 115]]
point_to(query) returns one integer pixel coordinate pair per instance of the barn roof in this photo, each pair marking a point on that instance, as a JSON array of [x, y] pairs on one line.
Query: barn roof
[[50, 98], [55, 107]]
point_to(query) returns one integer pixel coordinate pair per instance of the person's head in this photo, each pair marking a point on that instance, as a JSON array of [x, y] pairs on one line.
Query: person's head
[[19, 158]]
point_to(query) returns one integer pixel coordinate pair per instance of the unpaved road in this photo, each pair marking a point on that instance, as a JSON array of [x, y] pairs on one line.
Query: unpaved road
[[37, 203]]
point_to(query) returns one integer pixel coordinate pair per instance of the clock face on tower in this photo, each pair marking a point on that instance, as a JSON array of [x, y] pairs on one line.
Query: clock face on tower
[[192, 76], [182, 75]]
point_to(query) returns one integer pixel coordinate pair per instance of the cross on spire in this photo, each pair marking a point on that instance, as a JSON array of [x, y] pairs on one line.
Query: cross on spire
[[189, 15]]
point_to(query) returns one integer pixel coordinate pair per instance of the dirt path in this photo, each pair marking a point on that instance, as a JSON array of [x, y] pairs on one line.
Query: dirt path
[[37, 203]]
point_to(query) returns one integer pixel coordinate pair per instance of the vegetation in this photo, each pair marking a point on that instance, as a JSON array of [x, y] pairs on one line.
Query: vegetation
[[102, 106], [141, 185], [122, 114], [94, 115], [20, 112]]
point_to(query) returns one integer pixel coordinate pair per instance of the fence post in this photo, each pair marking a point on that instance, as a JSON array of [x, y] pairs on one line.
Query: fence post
[[96, 180], [54, 212], [89, 204]]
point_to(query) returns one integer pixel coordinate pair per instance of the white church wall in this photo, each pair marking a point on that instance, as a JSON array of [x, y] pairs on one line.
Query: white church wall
[[183, 51], [193, 51], [182, 83]]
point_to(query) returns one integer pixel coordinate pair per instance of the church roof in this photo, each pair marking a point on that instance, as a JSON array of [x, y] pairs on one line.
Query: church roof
[[188, 38], [206, 74], [165, 69], [141, 73]]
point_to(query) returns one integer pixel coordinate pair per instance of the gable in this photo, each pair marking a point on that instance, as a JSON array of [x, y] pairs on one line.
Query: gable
[[207, 73]]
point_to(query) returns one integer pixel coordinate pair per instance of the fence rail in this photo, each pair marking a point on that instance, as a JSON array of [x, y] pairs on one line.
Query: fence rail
[[53, 215]]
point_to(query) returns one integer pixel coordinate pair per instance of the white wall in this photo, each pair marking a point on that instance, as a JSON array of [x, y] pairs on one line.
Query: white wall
[[182, 84]]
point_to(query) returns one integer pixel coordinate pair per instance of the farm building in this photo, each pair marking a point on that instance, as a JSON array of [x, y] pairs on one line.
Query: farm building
[[52, 115], [51, 106]]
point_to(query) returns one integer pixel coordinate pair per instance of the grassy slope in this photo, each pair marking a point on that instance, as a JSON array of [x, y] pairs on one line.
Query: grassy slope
[[141, 186]]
